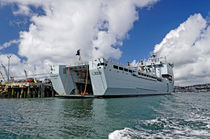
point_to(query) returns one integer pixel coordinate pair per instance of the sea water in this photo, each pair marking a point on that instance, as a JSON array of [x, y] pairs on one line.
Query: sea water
[[180, 115]]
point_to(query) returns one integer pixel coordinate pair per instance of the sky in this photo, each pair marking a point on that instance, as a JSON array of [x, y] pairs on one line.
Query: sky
[[38, 34]]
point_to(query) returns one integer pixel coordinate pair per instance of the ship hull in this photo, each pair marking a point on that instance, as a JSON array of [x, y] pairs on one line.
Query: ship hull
[[92, 80], [108, 96]]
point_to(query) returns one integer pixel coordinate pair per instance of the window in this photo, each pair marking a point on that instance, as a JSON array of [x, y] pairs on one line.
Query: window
[[101, 64], [126, 70], [130, 71], [115, 67], [120, 68], [64, 71]]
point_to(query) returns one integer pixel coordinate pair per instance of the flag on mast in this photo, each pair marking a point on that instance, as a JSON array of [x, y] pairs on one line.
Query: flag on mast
[[78, 54]]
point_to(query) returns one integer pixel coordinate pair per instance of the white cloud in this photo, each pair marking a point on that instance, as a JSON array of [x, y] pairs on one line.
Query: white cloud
[[14, 62], [17, 67], [8, 44], [22, 9], [188, 47], [97, 27]]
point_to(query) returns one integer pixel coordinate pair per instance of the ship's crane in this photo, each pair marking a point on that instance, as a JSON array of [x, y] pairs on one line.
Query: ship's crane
[[5, 70]]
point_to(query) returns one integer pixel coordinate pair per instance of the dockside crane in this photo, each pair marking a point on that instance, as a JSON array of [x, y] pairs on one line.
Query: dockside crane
[[5, 70], [26, 75], [2, 76]]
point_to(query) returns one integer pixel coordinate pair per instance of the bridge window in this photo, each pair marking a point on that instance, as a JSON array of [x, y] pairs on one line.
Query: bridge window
[[102, 64], [115, 67], [120, 68], [126, 69]]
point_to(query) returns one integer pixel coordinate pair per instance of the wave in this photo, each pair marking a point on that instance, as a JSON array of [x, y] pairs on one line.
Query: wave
[[126, 133], [164, 128]]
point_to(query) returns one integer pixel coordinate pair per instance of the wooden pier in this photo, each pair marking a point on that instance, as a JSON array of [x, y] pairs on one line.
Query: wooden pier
[[26, 90]]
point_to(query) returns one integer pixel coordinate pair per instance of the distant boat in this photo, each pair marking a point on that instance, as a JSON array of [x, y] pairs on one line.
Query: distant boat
[[106, 78]]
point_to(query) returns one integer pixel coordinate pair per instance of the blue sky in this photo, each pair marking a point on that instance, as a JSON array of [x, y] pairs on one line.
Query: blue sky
[[156, 22], [11, 25], [53, 37], [153, 24]]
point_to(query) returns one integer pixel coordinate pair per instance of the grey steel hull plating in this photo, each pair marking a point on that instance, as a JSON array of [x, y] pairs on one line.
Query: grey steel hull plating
[[107, 82]]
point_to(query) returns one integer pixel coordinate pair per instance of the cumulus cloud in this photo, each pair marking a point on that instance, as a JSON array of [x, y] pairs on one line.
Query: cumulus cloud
[[188, 47], [96, 27]]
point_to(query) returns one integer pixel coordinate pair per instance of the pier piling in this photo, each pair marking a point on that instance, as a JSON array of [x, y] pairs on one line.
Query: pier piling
[[26, 90]]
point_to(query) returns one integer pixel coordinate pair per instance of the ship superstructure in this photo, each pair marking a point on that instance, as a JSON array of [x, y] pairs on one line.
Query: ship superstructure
[[106, 78]]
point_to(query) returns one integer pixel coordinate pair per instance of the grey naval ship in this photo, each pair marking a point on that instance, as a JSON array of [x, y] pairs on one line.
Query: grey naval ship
[[106, 78]]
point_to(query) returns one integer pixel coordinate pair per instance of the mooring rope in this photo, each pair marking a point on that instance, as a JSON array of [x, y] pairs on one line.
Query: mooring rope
[[85, 93]]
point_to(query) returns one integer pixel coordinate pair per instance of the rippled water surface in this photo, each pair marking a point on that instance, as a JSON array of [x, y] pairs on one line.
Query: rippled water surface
[[181, 115]]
